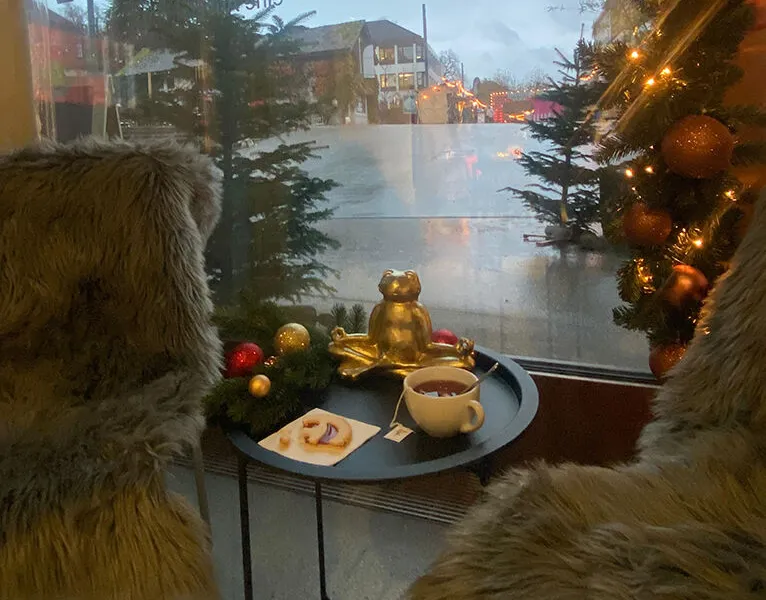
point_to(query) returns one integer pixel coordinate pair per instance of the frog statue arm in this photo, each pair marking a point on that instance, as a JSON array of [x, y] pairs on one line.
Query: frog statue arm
[[459, 354]]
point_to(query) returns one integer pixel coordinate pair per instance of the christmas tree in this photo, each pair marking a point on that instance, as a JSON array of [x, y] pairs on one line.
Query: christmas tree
[[566, 190], [682, 211], [234, 86]]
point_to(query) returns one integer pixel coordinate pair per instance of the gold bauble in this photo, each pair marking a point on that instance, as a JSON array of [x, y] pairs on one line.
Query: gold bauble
[[259, 386], [698, 147], [292, 337]]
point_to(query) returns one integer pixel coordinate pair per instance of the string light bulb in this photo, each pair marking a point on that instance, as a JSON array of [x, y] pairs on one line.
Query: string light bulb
[[629, 173], [649, 169], [635, 55], [730, 194], [666, 71], [697, 243], [650, 82]]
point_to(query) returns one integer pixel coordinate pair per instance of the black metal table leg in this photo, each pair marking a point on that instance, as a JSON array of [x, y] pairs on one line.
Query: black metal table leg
[[320, 541], [244, 522], [483, 470]]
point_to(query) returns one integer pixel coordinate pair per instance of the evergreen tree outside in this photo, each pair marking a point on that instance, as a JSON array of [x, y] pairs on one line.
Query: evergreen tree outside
[[567, 194], [682, 228], [240, 89]]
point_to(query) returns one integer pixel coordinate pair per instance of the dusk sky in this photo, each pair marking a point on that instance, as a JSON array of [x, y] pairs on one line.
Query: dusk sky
[[517, 35], [488, 35]]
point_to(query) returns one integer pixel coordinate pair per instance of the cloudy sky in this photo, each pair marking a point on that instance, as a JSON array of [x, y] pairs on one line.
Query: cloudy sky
[[488, 35], [517, 35]]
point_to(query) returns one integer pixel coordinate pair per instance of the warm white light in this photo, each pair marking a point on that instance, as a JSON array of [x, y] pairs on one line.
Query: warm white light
[[730, 195], [649, 169], [629, 173], [635, 55], [666, 71], [650, 82], [698, 243]]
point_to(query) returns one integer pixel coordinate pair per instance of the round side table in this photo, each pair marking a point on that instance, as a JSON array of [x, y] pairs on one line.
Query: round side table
[[510, 403]]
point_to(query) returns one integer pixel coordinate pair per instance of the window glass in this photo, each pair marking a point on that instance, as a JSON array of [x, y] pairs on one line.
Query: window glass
[[349, 143], [388, 82], [385, 56], [406, 54], [406, 81]]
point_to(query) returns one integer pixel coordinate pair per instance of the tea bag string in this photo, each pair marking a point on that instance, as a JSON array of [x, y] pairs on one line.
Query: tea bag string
[[394, 422]]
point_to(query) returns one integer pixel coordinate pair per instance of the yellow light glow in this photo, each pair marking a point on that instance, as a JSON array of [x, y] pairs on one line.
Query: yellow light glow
[[629, 173], [635, 55], [730, 195], [666, 71], [649, 169], [650, 82], [698, 243]]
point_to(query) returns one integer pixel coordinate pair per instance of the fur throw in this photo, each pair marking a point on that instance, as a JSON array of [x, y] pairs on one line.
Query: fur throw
[[106, 350], [687, 520]]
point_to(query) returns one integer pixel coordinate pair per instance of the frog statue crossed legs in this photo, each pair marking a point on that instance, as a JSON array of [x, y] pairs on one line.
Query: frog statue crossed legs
[[399, 336]]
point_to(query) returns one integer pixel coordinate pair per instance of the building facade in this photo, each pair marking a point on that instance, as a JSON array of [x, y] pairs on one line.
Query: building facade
[[398, 59]]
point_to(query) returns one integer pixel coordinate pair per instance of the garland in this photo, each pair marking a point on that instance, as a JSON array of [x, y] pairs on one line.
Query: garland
[[297, 378]]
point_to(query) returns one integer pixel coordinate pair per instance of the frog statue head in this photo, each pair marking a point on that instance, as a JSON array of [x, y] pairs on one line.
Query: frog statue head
[[400, 286]]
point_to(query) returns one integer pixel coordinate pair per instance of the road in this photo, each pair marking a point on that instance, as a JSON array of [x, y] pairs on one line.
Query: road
[[426, 198]]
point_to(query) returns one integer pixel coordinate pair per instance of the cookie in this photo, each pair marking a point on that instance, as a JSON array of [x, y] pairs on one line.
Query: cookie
[[317, 427]]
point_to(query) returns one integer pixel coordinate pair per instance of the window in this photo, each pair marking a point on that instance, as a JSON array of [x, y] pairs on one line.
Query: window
[[406, 54], [406, 81], [420, 190], [388, 82], [384, 56]]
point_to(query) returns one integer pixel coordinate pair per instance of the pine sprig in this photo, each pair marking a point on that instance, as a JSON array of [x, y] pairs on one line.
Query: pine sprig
[[296, 378]]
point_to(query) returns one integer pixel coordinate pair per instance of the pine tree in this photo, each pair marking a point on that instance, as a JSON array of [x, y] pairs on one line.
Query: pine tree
[[567, 193], [239, 87], [682, 208]]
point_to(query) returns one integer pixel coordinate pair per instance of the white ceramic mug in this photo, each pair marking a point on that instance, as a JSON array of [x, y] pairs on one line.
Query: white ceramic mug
[[445, 416]]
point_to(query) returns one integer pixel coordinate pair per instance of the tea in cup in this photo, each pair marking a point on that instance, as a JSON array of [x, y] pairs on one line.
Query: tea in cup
[[436, 400]]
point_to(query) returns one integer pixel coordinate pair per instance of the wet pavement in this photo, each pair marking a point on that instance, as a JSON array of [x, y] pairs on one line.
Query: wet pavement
[[426, 198]]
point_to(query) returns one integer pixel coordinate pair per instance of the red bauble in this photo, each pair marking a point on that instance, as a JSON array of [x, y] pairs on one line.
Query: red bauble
[[686, 285], [665, 357], [241, 361], [644, 226], [444, 336]]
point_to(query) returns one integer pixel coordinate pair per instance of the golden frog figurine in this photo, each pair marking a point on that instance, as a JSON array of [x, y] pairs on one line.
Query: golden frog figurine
[[399, 336]]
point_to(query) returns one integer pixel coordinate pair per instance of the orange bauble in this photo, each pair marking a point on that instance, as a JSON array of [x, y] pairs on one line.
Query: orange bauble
[[664, 357], [686, 285], [698, 147], [644, 226]]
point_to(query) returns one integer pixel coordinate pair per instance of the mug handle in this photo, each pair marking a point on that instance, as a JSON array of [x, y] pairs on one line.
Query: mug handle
[[478, 419]]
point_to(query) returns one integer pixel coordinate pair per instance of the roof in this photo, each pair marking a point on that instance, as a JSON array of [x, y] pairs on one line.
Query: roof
[[387, 32], [156, 61], [328, 38]]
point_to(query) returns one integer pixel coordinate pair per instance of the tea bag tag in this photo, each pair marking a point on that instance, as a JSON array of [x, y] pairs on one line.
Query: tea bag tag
[[398, 433]]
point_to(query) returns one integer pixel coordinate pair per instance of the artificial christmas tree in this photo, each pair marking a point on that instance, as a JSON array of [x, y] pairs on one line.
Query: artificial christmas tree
[[565, 193], [235, 85], [682, 209]]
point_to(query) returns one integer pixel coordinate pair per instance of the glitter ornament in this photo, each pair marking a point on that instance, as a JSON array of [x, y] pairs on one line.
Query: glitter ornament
[[698, 147], [644, 226]]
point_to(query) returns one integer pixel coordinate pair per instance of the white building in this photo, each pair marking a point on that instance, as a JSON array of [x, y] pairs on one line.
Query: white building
[[397, 59]]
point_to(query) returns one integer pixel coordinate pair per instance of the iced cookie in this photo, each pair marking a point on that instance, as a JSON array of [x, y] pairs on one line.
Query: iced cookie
[[326, 430]]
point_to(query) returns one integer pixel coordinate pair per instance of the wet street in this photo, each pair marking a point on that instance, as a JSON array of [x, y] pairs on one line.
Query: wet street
[[426, 198]]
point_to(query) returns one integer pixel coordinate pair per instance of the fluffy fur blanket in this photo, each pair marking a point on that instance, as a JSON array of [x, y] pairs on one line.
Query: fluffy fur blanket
[[687, 520], [106, 350]]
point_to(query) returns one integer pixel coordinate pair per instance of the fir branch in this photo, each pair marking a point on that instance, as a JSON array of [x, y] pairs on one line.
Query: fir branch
[[749, 153]]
